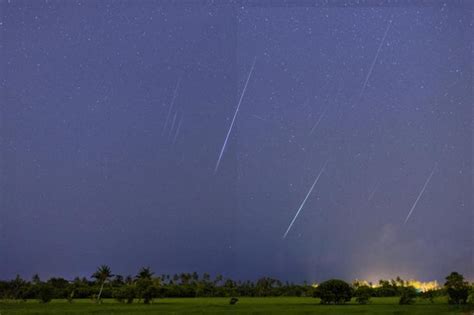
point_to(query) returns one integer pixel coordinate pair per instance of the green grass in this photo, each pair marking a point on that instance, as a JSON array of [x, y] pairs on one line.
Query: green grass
[[280, 305]]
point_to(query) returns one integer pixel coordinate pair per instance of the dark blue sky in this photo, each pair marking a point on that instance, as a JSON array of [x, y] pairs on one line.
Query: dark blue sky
[[92, 171]]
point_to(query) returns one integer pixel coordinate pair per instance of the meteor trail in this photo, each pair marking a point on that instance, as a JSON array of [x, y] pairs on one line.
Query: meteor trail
[[173, 122], [317, 123], [375, 59], [235, 115], [420, 194], [258, 117], [304, 200], [374, 191], [171, 105], [177, 129]]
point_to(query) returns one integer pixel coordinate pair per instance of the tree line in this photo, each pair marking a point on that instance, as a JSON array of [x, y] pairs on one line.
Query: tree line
[[145, 286]]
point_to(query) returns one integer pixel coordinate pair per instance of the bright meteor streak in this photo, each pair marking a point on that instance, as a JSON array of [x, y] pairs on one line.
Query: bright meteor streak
[[420, 194], [304, 200], [235, 115]]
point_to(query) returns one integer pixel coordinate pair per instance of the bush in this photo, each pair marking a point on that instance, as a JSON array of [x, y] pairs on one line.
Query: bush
[[363, 294], [125, 294], [408, 295], [334, 292], [429, 295], [146, 290], [45, 293], [233, 300], [470, 299], [457, 288], [149, 294]]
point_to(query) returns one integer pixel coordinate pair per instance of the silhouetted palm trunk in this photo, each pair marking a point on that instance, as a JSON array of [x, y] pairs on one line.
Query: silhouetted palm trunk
[[100, 291]]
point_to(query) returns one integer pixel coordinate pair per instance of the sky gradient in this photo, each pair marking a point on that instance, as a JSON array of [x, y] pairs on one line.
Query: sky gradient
[[113, 116]]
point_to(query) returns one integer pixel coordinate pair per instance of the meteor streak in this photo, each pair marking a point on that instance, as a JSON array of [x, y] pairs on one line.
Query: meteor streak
[[171, 105], [375, 59], [317, 123], [235, 115], [173, 123], [374, 191], [304, 200], [258, 117], [177, 130], [420, 194]]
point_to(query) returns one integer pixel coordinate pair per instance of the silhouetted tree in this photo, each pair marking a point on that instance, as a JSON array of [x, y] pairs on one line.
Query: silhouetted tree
[[144, 273], [408, 295], [102, 274], [146, 286], [334, 291], [45, 292], [125, 293], [457, 288], [363, 294], [36, 279]]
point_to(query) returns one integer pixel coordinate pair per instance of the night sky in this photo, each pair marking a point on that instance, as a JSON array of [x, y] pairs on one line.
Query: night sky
[[114, 113]]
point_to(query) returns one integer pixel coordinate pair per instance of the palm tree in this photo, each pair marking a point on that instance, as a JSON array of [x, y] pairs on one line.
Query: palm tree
[[145, 273], [129, 280], [102, 274], [36, 279]]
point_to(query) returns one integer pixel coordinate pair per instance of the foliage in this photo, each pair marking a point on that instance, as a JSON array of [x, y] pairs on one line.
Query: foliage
[[125, 294], [45, 292], [363, 294], [334, 291], [457, 288], [429, 295], [387, 288], [145, 287], [233, 300], [408, 295], [102, 274], [470, 298]]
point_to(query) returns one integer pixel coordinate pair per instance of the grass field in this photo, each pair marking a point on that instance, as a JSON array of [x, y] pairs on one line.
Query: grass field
[[280, 305]]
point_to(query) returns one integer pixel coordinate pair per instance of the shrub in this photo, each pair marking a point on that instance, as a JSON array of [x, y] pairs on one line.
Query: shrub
[[149, 294], [470, 299], [363, 294], [45, 293], [429, 295], [408, 295], [125, 294], [233, 300], [334, 292], [146, 290], [457, 288]]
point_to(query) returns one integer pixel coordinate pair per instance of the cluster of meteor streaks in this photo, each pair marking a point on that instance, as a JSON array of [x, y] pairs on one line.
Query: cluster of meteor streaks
[[177, 121]]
